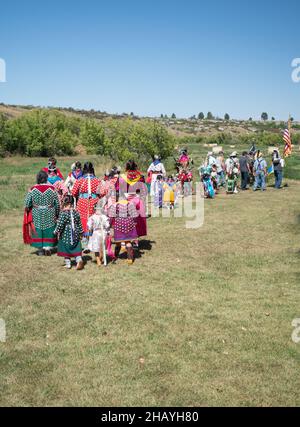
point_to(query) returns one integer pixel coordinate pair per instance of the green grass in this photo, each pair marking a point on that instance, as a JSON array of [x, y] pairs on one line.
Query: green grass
[[208, 310]]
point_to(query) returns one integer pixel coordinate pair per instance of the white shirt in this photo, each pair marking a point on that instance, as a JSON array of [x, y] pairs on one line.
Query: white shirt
[[157, 168]]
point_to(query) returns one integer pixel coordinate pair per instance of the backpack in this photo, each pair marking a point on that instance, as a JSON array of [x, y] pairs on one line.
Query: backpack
[[259, 167]]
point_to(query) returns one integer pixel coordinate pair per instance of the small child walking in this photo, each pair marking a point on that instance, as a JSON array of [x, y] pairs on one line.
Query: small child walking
[[69, 231], [98, 225], [169, 188]]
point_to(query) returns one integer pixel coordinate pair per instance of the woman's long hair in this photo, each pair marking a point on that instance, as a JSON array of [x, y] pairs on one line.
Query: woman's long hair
[[88, 168], [131, 165]]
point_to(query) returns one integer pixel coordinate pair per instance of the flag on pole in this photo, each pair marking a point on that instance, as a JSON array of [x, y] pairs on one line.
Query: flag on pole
[[271, 170], [288, 143]]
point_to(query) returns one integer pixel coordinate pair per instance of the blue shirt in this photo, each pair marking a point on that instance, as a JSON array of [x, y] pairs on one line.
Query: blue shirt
[[260, 165]]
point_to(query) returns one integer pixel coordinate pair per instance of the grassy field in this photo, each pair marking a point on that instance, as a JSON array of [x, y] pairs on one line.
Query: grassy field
[[203, 317]]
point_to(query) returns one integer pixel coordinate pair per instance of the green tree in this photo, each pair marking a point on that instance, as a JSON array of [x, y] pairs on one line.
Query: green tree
[[227, 117], [92, 135], [173, 116], [209, 116], [3, 135], [201, 116], [42, 133], [264, 116]]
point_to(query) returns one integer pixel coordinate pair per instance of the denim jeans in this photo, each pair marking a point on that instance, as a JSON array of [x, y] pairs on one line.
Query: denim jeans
[[278, 178], [221, 176], [260, 181], [244, 180]]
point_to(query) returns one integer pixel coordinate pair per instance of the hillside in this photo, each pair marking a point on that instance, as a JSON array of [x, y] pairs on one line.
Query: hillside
[[179, 128]]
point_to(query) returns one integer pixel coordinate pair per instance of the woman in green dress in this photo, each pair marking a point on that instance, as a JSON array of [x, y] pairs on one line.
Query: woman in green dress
[[42, 201]]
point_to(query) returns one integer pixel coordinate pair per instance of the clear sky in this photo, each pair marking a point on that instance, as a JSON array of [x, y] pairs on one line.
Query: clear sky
[[153, 57]]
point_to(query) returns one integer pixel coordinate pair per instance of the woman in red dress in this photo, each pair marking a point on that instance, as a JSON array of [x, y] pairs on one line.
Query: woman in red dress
[[87, 190]]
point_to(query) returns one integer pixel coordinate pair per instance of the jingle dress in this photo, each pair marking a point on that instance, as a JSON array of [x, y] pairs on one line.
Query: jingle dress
[[123, 214], [133, 183], [69, 229], [43, 201], [87, 190]]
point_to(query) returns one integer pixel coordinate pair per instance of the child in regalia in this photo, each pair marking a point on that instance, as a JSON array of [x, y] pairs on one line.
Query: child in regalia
[[69, 232], [169, 188], [98, 225]]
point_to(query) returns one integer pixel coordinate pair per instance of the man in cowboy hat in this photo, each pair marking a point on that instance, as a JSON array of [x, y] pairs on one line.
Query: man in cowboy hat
[[260, 172], [233, 169]]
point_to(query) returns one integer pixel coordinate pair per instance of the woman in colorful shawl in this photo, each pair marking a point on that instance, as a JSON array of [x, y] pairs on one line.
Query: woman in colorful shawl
[[132, 187], [52, 175], [156, 168], [123, 214], [73, 176], [43, 202], [87, 190], [52, 163]]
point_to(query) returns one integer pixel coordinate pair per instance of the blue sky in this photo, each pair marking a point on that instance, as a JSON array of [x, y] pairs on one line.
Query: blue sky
[[153, 57]]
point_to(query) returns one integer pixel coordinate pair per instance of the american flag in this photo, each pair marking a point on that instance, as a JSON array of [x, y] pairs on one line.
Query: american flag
[[288, 143]]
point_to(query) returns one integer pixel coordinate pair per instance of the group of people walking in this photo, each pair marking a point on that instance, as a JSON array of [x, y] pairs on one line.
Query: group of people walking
[[166, 189], [84, 212], [251, 167]]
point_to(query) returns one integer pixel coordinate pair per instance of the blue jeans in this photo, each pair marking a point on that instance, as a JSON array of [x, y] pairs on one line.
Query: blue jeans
[[260, 181], [278, 178], [221, 176]]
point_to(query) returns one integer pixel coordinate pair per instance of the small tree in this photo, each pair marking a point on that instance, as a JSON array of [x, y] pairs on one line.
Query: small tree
[[273, 119], [201, 116], [209, 116], [264, 116], [227, 117], [250, 119], [173, 116], [161, 116]]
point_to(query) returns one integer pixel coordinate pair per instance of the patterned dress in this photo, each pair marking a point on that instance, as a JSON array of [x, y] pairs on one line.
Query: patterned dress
[[87, 190], [123, 216], [69, 229], [43, 201], [133, 183]]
